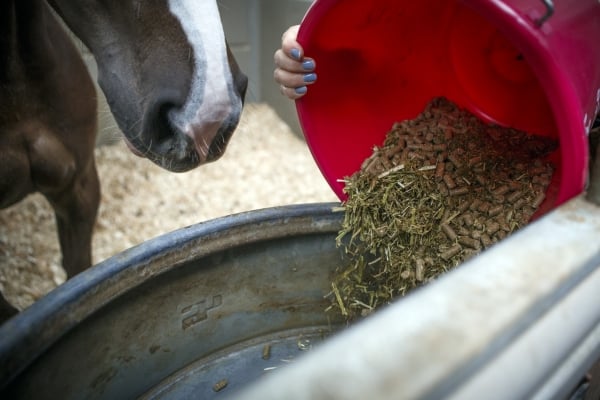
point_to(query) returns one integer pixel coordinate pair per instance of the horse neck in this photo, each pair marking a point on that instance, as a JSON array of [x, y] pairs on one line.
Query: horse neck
[[25, 41]]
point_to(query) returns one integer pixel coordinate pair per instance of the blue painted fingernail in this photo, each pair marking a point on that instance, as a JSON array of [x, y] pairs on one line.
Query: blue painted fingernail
[[309, 78], [295, 53], [301, 90], [308, 65]]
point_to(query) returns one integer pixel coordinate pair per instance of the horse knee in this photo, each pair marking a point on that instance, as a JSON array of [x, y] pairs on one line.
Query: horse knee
[[52, 164]]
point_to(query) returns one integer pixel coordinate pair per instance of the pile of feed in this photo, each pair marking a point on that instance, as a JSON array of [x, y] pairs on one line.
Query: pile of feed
[[442, 188]]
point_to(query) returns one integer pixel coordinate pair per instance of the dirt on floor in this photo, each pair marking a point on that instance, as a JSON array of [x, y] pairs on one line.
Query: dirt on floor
[[265, 165]]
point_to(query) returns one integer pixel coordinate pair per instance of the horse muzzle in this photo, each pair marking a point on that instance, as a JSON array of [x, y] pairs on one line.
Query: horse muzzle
[[179, 141]]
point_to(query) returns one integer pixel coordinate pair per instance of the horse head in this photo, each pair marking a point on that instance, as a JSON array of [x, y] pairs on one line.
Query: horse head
[[168, 74]]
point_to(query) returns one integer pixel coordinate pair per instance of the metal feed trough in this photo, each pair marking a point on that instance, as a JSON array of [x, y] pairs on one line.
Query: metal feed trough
[[234, 308]]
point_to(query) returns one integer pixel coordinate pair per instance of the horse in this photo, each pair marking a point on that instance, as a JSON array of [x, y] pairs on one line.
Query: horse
[[170, 79]]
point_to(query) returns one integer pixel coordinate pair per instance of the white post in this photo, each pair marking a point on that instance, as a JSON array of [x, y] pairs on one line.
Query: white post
[[521, 320]]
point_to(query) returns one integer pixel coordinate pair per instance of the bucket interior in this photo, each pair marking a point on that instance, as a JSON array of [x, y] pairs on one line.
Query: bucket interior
[[380, 63]]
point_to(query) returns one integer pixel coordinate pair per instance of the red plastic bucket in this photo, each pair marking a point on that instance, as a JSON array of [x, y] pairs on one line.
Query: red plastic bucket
[[518, 63]]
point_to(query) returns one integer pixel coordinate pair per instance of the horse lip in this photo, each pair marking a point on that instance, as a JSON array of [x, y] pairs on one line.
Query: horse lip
[[165, 145], [176, 145], [210, 137], [203, 136], [185, 149]]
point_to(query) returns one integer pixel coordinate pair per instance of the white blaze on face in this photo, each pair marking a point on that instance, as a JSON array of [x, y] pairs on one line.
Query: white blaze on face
[[210, 101]]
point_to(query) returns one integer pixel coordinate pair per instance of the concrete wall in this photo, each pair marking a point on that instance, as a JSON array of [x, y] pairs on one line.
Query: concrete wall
[[278, 16], [253, 29]]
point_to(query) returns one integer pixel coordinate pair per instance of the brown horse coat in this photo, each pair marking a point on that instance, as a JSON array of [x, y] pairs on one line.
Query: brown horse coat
[[48, 123]]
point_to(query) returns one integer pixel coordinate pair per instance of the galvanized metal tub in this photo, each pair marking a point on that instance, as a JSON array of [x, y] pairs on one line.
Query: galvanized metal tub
[[196, 308], [180, 316]]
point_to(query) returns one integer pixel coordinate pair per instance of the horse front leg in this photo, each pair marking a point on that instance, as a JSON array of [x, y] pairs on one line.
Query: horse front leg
[[6, 309], [76, 210]]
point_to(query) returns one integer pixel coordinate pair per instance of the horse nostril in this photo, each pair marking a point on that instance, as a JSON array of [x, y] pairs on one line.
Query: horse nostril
[[165, 128]]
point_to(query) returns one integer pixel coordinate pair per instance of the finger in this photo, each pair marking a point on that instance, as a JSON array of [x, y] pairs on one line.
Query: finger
[[284, 62], [290, 45], [293, 93], [293, 80]]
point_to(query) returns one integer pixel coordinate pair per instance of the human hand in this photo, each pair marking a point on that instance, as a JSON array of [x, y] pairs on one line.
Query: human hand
[[293, 72]]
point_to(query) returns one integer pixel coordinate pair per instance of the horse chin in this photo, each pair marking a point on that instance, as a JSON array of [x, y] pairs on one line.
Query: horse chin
[[177, 154], [133, 149]]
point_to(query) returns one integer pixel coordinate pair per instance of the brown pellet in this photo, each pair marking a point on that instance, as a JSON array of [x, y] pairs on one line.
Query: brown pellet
[[484, 206], [451, 252], [449, 232], [538, 200], [463, 206], [386, 163], [449, 181], [415, 156], [440, 170], [514, 185], [404, 154], [486, 240], [468, 218], [492, 227], [442, 189], [501, 190], [496, 210], [448, 134], [459, 191], [469, 242], [514, 196], [475, 160], [420, 270], [476, 235], [538, 170], [475, 205], [478, 223], [454, 159], [519, 203], [222, 384], [498, 199], [544, 180], [415, 146]]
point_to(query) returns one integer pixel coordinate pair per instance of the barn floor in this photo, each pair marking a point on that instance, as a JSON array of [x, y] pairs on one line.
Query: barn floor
[[265, 165]]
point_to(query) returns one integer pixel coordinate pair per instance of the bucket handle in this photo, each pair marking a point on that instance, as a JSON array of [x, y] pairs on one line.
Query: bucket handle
[[549, 11]]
